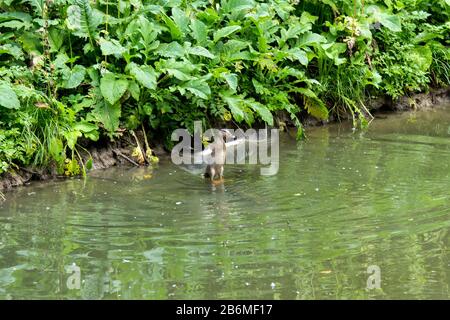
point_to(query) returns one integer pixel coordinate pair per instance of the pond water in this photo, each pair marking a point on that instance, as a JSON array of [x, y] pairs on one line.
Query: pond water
[[341, 203]]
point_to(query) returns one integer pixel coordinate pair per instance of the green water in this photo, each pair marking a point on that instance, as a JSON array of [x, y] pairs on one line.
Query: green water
[[341, 202]]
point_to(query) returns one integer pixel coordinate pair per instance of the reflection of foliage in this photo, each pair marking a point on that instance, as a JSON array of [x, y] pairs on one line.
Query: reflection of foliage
[[131, 240]]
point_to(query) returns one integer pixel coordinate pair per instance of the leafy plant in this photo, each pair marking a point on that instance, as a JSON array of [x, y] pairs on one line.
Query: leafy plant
[[78, 70]]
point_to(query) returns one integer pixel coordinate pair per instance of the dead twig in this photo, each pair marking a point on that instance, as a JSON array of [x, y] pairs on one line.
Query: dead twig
[[120, 154]]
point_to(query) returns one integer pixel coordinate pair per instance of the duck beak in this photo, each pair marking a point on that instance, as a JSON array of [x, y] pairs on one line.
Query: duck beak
[[228, 134]]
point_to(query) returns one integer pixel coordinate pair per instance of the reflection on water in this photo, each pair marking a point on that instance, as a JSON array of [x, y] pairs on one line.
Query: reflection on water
[[341, 202]]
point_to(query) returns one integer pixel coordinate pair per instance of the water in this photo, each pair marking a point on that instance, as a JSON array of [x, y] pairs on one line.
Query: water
[[341, 202]]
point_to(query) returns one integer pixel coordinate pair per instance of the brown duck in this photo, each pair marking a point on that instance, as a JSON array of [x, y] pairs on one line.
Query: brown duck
[[218, 155]]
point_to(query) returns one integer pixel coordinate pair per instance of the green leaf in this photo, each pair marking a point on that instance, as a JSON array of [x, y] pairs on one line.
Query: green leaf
[[231, 79], [224, 32], [89, 130], [75, 77], [12, 50], [55, 39], [8, 98], [313, 104], [261, 110], [112, 88], [38, 5], [89, 164], [310, 39], [108, 114], [199, 31], [293, 32], [299, 55], [56, 149], [198, 87], [426, 36], [235, 104], [236, 6], [390, 21], [31, 43], [135, 90], [175, 31], [72, 137], [180, 70], [422, 56], [85, 126], [307, 18], [111, 47], [92, 135], [316, 108], [200, 51], [170, 50], [180, 18], [83, 20], [180, 75], [15, 24], [145, 75]]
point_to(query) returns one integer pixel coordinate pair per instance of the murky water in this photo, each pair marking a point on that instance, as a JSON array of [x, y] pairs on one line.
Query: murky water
[[341, 202]]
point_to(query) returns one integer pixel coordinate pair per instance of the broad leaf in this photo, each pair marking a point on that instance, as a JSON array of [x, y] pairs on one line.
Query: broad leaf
[[170, 50], [261, 110], [145, 75], [235, 105], [175, 30], [380, 14], [83, 20], [8, 98], [224, 32], [200, 51], [299, 55], [111, 47], [112, 88], [72, 138], [75, 77], [180, 18], [231, 79], [199, 31], [310, 39], [198, 87], [108, 114]]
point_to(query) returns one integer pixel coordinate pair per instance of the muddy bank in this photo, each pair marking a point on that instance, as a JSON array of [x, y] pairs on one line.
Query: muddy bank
[[106, 154], [417, 101]]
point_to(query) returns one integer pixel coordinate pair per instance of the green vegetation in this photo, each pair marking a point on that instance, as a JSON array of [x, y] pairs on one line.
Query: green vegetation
[[75, 71]]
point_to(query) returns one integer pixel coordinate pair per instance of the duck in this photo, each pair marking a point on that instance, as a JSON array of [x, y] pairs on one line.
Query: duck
[[218, 155]]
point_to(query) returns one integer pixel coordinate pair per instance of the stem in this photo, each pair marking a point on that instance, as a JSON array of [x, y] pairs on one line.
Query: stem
[[145, 138], [47, 57], [139, 145]]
